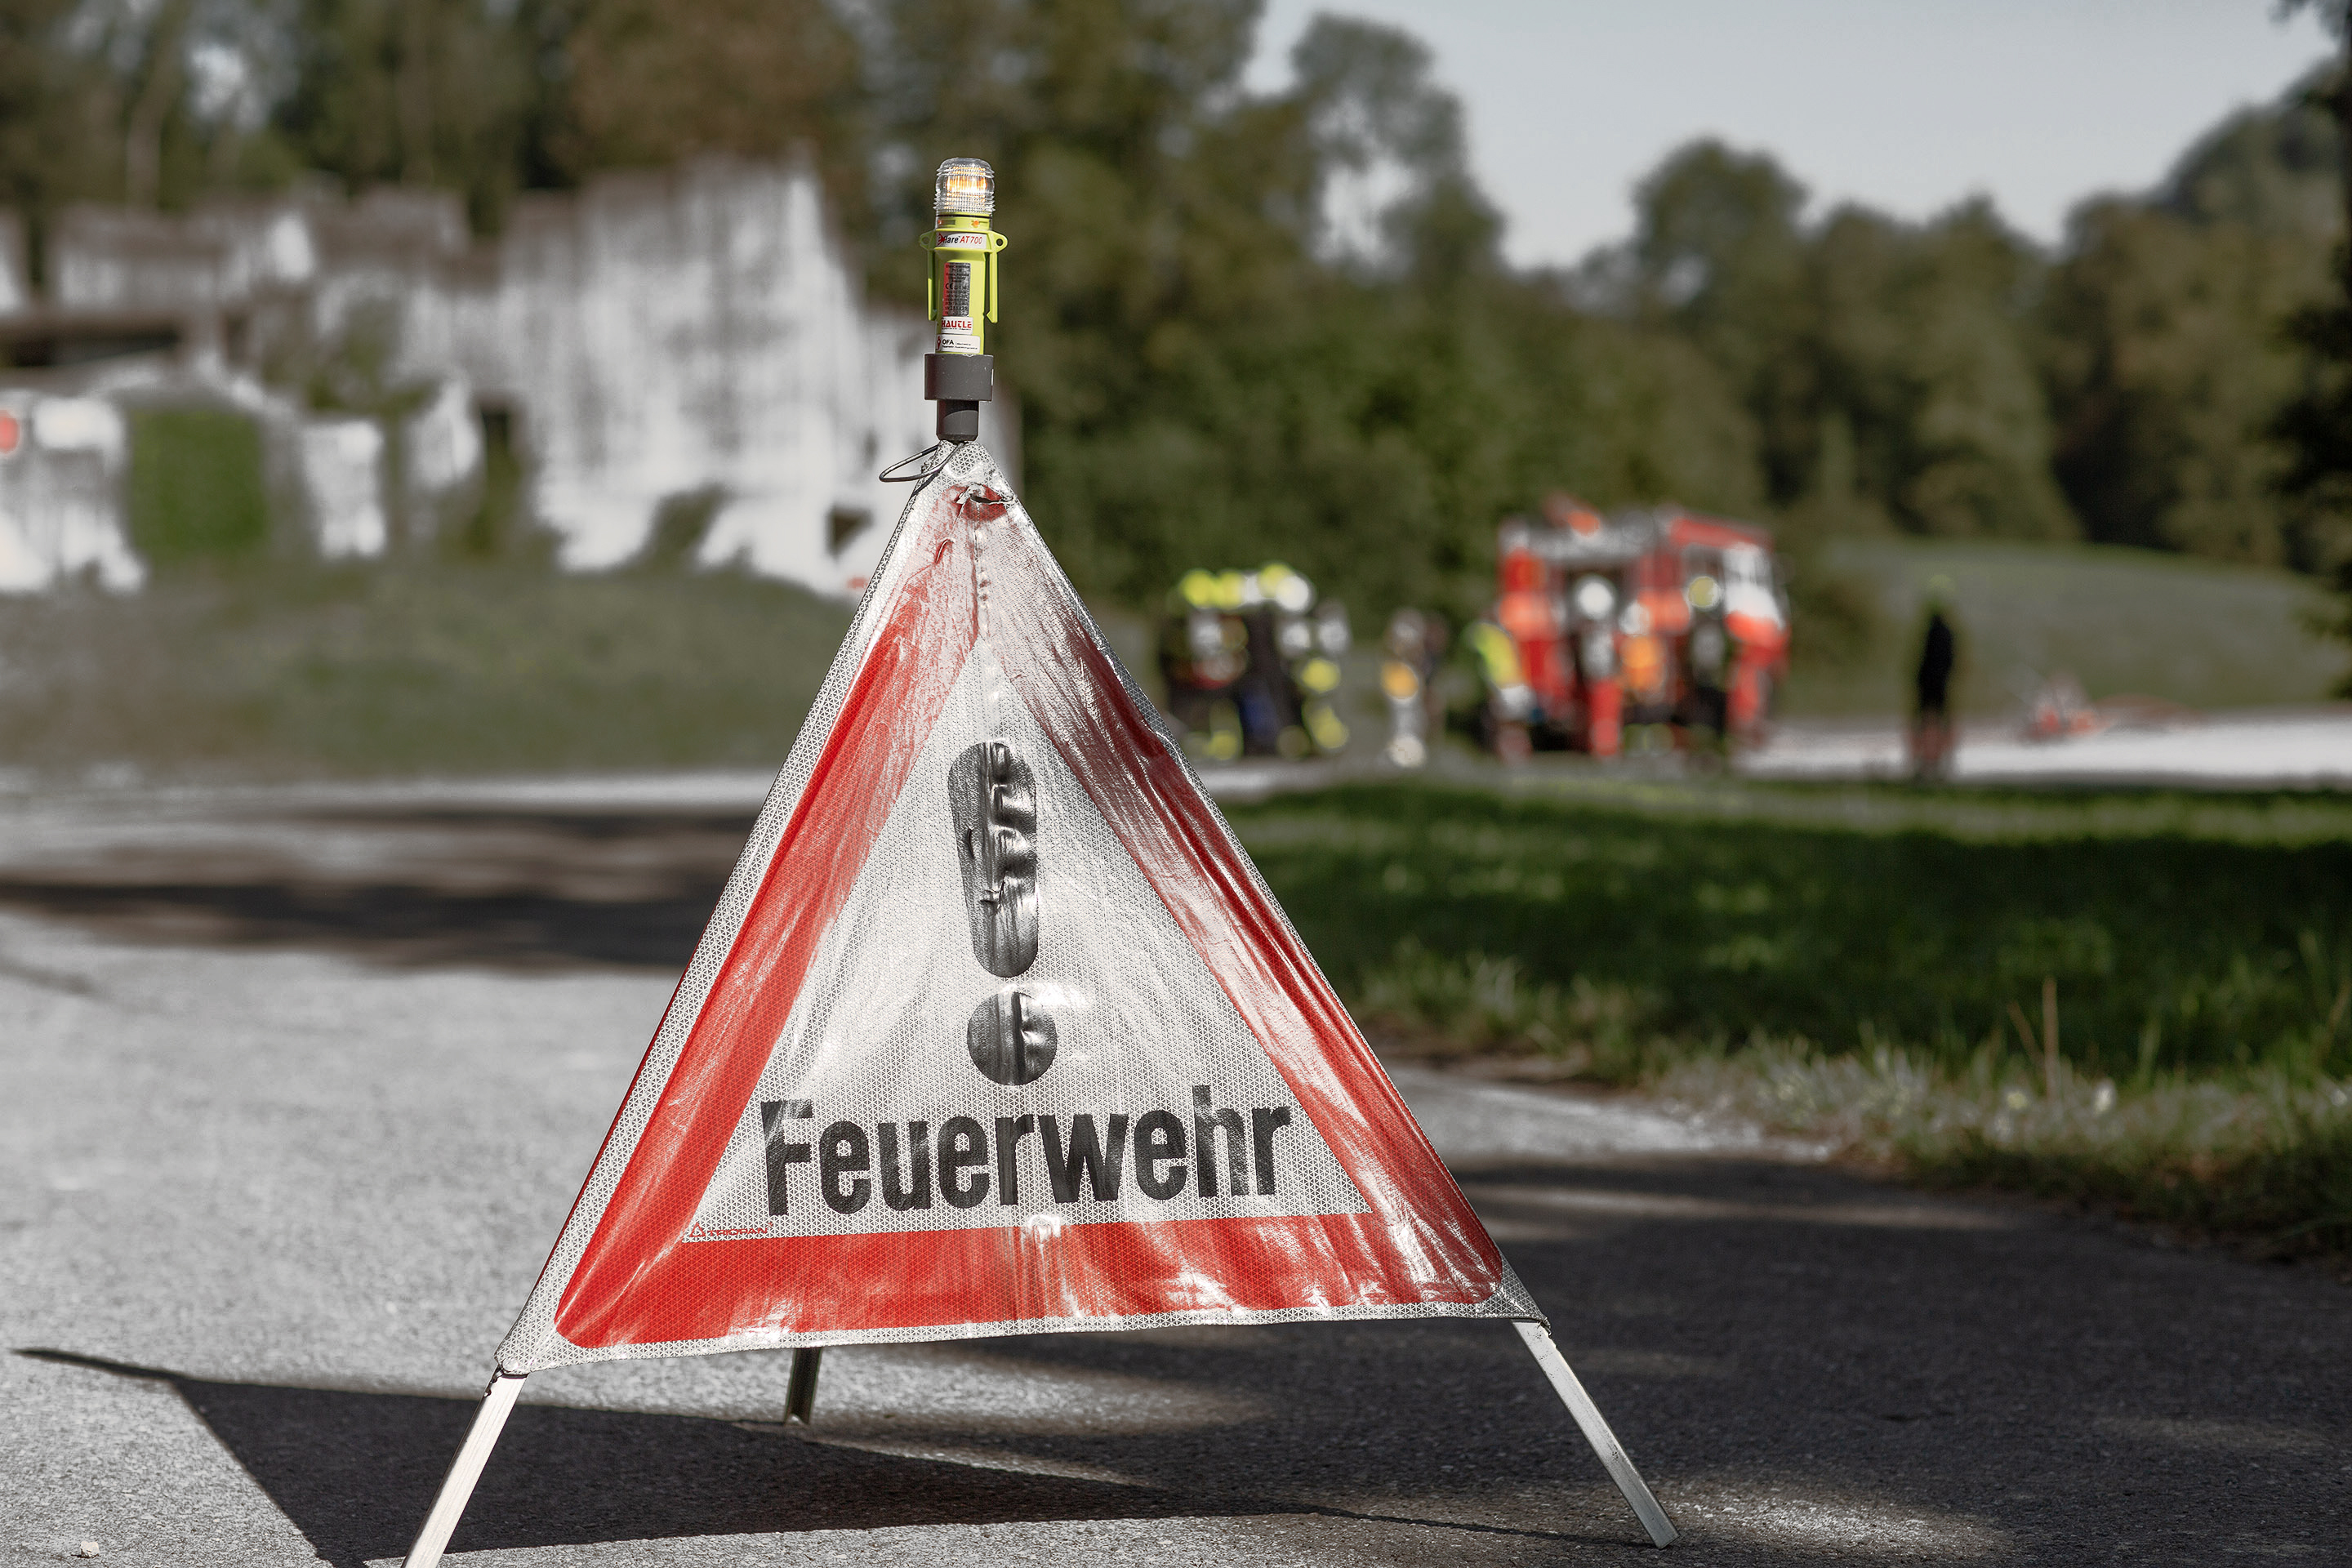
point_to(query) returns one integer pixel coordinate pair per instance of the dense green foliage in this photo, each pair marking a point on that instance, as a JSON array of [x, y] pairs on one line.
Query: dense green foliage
[[1948, 379], [1210, 370], [2314, 428], [1244, 324]]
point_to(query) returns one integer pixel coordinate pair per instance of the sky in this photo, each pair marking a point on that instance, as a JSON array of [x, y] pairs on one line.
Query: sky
[[1906, 105]]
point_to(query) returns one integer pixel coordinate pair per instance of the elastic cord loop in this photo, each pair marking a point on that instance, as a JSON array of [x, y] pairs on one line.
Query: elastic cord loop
[[891, 476]]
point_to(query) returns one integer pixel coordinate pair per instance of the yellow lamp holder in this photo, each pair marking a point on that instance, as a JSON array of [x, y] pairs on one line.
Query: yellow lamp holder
[[960, 375]]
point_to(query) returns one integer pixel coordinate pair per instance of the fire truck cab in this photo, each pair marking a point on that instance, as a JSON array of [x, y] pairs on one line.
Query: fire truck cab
[[1658, 617]]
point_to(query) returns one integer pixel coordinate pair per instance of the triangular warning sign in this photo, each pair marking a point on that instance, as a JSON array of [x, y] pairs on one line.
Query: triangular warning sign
[[997, 1029]]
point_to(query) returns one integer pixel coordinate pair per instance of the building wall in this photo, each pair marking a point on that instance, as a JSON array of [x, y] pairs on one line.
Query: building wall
[[652, 336], [61, 495]]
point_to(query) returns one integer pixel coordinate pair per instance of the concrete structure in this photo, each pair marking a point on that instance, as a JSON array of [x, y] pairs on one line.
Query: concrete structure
[[693, 332]]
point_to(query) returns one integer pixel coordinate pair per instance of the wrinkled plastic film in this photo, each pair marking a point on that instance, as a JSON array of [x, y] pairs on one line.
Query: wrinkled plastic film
[[532, 1342], [997, 1029]]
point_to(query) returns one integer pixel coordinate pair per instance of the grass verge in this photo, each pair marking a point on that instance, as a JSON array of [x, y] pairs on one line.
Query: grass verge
[[2203, 633], [2142, 999], [272, 669], [2268, 1159]]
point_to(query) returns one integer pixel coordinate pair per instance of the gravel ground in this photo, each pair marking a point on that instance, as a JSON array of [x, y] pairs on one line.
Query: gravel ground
[[295, 1088]]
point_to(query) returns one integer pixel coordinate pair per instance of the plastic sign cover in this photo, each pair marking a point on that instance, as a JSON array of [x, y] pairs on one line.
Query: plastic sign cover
[[997, 1029]]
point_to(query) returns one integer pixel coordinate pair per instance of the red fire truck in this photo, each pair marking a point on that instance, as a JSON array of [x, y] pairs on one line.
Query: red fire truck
[[1659, 618]]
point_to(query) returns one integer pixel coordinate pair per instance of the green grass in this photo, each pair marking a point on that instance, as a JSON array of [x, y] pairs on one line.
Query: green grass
[[2265, 1157], [2201, 633], [1865, 963], [196, 490], [1873, 962], [291, 670]]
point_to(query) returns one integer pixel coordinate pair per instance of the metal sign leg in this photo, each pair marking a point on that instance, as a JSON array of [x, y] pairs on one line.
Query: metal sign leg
[[1596, 1432], [800, 1394], [498, 1400]]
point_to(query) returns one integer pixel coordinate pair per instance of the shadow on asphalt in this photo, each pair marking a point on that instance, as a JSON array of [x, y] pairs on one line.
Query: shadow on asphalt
[[355, 1471], [1803, 1364], [506, 890]]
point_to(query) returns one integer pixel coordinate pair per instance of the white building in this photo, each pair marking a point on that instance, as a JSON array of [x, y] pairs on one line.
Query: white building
[[654, 336]]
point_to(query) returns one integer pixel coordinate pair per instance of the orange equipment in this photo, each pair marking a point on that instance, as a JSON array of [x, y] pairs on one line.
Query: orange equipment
[[1603, 610], [1736, 559]]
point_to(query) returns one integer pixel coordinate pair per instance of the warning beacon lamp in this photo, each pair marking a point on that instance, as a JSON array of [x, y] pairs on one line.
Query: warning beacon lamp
[[961, 375]]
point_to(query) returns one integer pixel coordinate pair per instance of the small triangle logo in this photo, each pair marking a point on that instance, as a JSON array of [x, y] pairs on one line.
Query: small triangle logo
[[997, 1029]]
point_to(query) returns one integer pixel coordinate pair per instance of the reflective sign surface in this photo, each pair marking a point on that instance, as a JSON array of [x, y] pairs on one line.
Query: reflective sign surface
[[996, 1028]]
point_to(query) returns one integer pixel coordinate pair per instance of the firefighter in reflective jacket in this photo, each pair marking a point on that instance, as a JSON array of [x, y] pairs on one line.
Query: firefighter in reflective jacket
[[1250, 660], [1502, 720], [1709, 660], [1204, 649]]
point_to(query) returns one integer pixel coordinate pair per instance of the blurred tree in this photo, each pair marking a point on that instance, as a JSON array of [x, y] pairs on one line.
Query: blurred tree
[[649, 83], [157, 86], [1720, 258], [2315, 429], [48, 122], [420, 92], [144, 102], [2273, 168], [1246, 326], [2163, 359], [2160, 341], [1887, 368], [1394, 193], [1919, 346], [1244, 323]]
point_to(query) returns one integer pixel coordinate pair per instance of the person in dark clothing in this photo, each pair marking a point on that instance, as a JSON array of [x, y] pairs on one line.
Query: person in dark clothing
[[1269, 705], [1707, 663], [1931, 721]]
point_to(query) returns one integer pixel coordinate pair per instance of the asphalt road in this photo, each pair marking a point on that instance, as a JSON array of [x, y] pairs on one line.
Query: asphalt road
[[295, 1088]]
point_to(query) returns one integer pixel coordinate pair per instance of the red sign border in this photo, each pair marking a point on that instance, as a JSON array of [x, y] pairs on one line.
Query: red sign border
[[639, 1283]]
